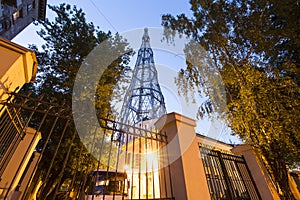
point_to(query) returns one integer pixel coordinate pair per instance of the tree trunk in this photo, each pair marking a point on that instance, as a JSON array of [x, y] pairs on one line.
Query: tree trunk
[[280, 173], [45, 190], [281, 176]]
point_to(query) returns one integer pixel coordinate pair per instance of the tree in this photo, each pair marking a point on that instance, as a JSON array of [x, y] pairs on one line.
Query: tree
[[69, 39], [255, 46]]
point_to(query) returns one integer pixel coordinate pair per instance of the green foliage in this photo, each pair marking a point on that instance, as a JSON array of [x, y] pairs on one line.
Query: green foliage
[[69, 39], [255, 46]]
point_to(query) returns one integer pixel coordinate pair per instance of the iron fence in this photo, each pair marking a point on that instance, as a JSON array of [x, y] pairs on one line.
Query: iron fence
[[11, 134], [104, 163], [228, 176]]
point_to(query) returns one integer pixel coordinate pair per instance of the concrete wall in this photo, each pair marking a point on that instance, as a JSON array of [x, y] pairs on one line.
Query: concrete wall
[[211, 143], [18, 66], [18, 163], [186, 168], [264, 186], [28, 173]]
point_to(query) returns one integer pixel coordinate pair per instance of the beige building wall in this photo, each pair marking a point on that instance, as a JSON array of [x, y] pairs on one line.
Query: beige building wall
[[188, 179], [28, 174], [211, 143], [18, 163], [18, 66], [186, 168], [264, 186]]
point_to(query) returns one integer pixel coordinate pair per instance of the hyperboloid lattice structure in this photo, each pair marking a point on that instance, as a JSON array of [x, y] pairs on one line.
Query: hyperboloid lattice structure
[[143, 100]]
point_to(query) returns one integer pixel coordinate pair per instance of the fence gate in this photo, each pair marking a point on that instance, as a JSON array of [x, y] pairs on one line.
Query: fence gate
[[228, 176], [104, 163]]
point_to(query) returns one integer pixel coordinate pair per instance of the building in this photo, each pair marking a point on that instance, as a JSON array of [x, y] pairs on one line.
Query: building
[[18, 66], [15, 15], [161, 158]]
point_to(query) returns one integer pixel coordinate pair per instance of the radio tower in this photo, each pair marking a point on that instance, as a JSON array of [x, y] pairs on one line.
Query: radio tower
[[143, 100]]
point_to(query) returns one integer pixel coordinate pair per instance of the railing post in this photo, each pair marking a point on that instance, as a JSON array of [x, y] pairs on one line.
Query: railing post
[[229, 191], [259, 174], [186, 168], [18, 163]]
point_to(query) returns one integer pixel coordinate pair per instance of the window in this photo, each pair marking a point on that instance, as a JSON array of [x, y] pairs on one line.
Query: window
[[17, 15], [1, 10], [7, 23], [29, 7], [19, 2]]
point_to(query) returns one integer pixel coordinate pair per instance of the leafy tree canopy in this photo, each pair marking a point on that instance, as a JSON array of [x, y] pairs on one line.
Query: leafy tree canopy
[[255, 46]]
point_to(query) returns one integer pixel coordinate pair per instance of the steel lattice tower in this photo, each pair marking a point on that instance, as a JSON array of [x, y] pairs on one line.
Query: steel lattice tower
[[143, 100]]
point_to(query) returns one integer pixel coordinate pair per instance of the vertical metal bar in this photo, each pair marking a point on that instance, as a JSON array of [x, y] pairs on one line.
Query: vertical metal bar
[[163, 157], [117, 164], [45, 144], [6, 128], [203, 156], [240, 182], [209, 168], [75, 174], [249, 185], [165, 181], [81, 187], [17, 114], [54, 156], [146, 168], [90, 157], [241, 178], [3, 124], [10, 140], [160, 165], [227, 180], [252, 180], [27, 151], [64, 166], [9, 125], [108, 163], [12, 120], [140, 163], [216, 165], [100, 155], [153, 175], [8, 147], [236, 187], [25, 99], [169, 169], [132, 165], [210, 159], [98, 165], [125, 162]]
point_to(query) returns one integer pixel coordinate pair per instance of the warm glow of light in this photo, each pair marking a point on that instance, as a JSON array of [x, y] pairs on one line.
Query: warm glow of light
[[152, 161], [143, 173], [126, 168]]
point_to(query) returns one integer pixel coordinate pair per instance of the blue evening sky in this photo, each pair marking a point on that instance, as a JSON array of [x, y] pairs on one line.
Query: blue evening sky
[[117, 15], [124, 16]]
